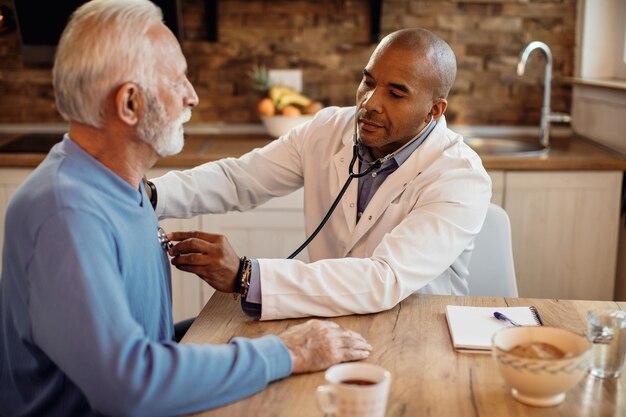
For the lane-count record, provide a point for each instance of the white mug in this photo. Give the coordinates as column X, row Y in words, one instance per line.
column 354, row 390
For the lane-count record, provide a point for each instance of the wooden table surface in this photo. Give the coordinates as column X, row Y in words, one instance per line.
column 428, row 377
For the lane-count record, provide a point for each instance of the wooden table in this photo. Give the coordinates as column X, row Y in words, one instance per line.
column 428, row 377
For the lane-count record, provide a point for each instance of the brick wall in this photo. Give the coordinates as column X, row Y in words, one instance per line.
column 328, row 40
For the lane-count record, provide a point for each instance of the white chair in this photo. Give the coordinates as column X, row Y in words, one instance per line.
column 491, row 268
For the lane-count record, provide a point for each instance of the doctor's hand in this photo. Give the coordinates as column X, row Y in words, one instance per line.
column 317, row 344
column 207, row 255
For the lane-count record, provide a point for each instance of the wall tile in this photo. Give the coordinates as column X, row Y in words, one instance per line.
column 329, row 41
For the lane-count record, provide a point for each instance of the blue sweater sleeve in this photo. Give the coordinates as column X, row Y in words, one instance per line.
column 81, row 319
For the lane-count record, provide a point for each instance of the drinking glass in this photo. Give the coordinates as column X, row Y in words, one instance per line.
column 607, row 333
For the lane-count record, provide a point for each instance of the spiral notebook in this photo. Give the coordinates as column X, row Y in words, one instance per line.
column 471, row 328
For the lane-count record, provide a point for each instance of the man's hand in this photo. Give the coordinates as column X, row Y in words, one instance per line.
column 316, row 345
column 209, row 256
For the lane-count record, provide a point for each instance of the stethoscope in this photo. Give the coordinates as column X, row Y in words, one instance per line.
column 165, row 243
column 352, row 175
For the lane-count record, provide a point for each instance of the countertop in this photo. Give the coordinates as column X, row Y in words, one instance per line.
column 565, row 154
column 568, row 152
column 199, row 148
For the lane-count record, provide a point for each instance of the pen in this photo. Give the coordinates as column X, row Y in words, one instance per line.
column 502, row 317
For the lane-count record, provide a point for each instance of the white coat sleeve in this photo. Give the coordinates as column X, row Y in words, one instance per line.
column 234, row 183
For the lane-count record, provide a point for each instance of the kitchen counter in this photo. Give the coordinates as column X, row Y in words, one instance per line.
column 199, row 148
column 566, row 153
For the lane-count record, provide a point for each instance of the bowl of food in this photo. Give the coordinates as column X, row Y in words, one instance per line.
column 277, row 126
column 540, row 363
column 284, row 108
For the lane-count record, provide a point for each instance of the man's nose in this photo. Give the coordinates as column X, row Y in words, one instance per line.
column 191, row 98
column 371, row 101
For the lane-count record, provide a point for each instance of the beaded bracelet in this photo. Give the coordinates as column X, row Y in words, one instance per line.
column 242, row 280
column 245, row 279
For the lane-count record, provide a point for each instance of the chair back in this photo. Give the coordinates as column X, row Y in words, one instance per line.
column 491, row 267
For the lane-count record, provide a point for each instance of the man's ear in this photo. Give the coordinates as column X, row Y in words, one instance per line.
column 438, row 109
column 129, row 103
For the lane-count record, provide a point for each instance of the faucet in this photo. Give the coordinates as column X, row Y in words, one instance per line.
column 546, row 114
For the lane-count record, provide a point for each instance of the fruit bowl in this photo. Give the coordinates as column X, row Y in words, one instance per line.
column 277, row 126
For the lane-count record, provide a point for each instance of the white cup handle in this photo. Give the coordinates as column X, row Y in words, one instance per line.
column 326, row 399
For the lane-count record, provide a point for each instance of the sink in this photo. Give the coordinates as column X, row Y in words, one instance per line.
column 505, row 146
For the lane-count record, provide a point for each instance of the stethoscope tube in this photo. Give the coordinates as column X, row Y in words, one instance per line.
column 352, row 175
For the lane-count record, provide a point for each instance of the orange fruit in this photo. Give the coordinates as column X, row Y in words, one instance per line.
column 266, row 107
column 313, row 108
column 291, row 111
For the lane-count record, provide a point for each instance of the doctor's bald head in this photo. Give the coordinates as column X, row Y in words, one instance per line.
column 425, row 45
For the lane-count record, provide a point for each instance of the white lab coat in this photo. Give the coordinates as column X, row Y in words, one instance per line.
column 416, row 233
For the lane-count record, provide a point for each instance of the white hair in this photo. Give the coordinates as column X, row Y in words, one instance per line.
column 104, row 45
column 166, row 137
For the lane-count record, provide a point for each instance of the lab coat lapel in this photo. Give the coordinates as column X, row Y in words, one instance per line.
column 348, row 203
column 396, row 183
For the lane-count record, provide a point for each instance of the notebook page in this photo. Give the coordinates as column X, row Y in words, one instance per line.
column 471, row 328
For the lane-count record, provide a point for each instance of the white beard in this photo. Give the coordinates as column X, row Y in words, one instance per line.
column 165, row 138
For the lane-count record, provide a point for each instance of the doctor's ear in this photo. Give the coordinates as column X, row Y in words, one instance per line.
column 436, row 111
column 128, row 103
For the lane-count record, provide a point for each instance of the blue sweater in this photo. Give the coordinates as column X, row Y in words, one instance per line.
column 85, row 306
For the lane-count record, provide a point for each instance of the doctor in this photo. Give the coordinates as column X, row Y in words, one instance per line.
column 406, row 227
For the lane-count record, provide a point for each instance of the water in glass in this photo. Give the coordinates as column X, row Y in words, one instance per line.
column 607, row 333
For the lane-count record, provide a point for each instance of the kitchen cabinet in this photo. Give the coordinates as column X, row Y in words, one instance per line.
column 564, row 227
column 272, row 230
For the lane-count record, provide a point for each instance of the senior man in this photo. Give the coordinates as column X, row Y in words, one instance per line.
column 85, row 294
column 407, row 225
